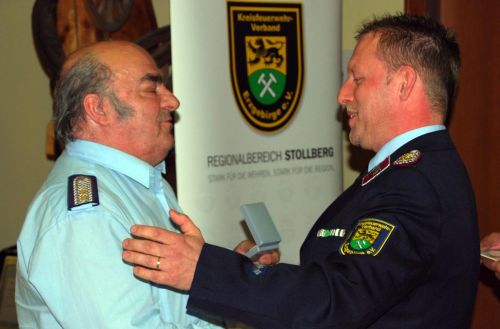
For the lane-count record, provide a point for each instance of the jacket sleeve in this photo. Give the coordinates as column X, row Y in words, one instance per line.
column 335, row 290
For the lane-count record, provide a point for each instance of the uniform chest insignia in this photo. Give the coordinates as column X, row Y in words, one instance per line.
column 368, row 237
column 325, row 233
column 82, row 190
column 408, row 159
column 376, row 171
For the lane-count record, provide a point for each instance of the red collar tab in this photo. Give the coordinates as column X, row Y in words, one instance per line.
column 376, row 171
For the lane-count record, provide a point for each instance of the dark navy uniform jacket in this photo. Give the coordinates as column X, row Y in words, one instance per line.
column 409, row 258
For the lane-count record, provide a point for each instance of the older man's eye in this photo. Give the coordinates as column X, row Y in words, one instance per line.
column 357, row 81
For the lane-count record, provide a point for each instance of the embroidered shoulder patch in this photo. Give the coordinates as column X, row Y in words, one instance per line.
column 408, row 159
column 368, row 237
column 82, row 190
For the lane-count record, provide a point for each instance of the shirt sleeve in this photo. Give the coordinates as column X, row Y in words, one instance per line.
column 78, row 271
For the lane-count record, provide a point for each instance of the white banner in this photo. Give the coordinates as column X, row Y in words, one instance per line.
column 257, row 83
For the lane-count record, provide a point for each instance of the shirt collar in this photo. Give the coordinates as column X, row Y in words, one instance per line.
column 119, row 161
column 399, row 141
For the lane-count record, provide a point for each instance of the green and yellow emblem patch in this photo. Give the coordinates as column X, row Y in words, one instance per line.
column 368, row 237
column 266, row 61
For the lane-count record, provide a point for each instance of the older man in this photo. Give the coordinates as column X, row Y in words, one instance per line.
column 114, row 116
column 410, row 258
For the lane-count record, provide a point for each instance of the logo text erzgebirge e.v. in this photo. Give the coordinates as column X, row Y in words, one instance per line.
column 265, row 42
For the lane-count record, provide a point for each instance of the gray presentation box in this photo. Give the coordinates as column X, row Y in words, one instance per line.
column 261, row 227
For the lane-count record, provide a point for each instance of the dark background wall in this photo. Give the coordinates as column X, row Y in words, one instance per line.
column 475, row 122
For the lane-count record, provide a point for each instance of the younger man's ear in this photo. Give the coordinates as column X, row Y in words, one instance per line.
column 407, row 77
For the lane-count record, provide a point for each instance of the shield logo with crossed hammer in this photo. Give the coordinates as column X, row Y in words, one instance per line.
column 266, row 62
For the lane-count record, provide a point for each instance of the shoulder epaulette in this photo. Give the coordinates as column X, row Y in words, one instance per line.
column 82, row 190
column 408, row 159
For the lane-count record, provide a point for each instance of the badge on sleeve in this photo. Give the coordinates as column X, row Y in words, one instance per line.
column 334, row 232
column 368, row 237
column 82, row 191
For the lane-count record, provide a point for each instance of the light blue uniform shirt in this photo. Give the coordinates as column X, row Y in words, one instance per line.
column 70, row 270
column 399, row 141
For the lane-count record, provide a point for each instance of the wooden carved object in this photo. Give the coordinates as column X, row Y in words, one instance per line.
column 60, row 27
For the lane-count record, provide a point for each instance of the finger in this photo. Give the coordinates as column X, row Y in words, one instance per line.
column 145, row 246
column 185, row 223
column 491, row 241
column 169, row 277
column 244, row 246
column 494, row 266
column 267, row 257
column 490, row 264
column 136, row 258
column 152, row 233
column 152, row 275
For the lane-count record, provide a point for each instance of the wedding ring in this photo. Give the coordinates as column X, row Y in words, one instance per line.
column 158, row 263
